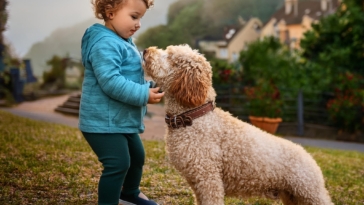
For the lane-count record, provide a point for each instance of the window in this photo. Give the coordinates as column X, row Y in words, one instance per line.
column 223, row 53
column 235, row 57
column 257, row 28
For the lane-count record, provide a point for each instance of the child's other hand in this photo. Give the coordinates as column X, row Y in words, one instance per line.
column 154, row 95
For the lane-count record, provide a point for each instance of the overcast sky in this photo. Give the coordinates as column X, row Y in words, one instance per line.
column 31, row 21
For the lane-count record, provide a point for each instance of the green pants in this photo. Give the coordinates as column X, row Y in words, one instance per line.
column 122, row 156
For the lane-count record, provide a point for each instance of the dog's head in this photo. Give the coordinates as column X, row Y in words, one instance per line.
column 181, row 72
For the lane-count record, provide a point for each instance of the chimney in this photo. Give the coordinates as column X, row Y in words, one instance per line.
column 324, row 5
column 295, row 7
column 331, row 6
column 288, row 5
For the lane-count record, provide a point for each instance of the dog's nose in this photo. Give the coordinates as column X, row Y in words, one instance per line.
column 143, row 56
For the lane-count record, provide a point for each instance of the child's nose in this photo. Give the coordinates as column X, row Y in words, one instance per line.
column 138, row 25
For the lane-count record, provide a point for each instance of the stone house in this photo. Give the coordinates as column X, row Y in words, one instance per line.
column 233, row 40
column 291, row 21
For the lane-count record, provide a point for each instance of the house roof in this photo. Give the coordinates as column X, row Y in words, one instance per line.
column 225, row 34
column 228, row 33
column 309, row 8
column 231, row 31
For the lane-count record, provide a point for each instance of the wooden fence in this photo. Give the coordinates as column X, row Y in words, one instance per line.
column 299, row 108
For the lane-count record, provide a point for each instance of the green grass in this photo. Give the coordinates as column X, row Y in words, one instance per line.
column 44, row 163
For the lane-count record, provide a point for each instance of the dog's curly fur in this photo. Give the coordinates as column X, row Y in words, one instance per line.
column 220, row 155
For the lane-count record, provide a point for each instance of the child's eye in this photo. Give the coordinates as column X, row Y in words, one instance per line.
column 134, row 17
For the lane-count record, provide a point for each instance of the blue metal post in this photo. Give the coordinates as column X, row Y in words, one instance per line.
column 29, row 72
column 18, row 85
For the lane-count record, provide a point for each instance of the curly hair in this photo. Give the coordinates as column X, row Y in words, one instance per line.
column 102, row 7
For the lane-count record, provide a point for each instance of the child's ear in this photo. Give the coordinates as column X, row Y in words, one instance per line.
column 109, row 13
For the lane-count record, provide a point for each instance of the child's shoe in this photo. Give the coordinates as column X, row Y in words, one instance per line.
column 132, row 200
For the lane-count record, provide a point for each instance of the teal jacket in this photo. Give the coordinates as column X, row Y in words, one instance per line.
column 114, row 91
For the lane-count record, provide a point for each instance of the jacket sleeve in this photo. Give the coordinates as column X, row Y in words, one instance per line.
column 106, row 60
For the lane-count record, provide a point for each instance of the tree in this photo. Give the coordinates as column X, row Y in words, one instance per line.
column 181, row 31
column 268, row 66
column 3, row 21
column 335, row 46
column 157, row 36
column 57, row 75
column 5, row 78
column 271, row 70
column 336, row 42
column 269, row 60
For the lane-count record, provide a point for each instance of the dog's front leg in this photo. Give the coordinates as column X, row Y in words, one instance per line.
column 200, row 163
column 207, row 186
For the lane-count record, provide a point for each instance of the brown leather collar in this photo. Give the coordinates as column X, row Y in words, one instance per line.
column 186, row 118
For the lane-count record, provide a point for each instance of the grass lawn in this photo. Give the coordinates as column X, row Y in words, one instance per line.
column 43, row 163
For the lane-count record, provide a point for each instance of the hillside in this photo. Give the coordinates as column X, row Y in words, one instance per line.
column 192, row 20
column 67, row 41
column 60, row 42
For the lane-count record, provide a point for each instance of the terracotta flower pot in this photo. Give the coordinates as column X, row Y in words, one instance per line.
column 265, row 123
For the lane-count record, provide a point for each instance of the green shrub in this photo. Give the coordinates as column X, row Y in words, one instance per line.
column 224, row 73
column 346, row 109
column 56, row 76
column 264, row 100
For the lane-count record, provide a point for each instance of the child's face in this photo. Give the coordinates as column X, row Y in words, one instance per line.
column 126, row 21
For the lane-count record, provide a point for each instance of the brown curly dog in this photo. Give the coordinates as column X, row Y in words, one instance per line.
column 218, row 154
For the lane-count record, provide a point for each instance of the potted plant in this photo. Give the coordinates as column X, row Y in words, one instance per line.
column 264, row 106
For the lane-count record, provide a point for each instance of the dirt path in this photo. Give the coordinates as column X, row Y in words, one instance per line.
column 44, row 108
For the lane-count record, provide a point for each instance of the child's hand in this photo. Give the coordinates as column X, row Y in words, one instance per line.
column 154, row 95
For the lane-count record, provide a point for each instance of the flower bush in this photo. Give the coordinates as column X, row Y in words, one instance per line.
column 268, row 64
column 224, row 73
column 264, row 100
column 346, row 109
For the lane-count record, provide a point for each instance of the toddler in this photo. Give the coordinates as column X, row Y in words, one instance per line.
column 114, row 98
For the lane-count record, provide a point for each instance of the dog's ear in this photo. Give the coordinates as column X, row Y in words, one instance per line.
column 191, row 77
